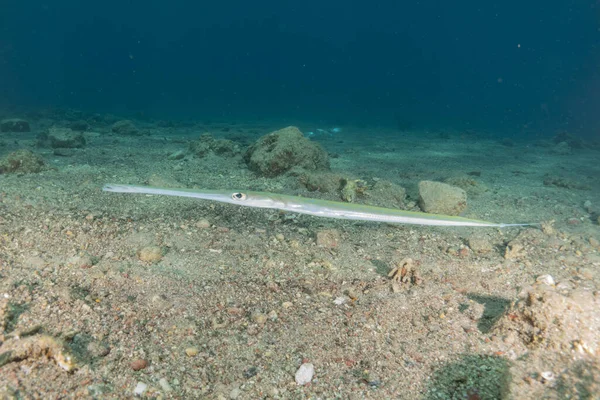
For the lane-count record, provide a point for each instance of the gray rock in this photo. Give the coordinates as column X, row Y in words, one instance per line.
column 23, row 162
column 14, row 125
column 480, row 244
column 65, row 138
column 61, row 152
column 305, row 374
column 79, row 125
column 441, row 198
column 207, row 144
column 562, row 148
column 280, row 151
column 126, row 127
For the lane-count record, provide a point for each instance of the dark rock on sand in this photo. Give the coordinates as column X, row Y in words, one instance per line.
column 126, row 128
column 280, row 151
column 22, row 161
column 65, row 138
column 14, row 125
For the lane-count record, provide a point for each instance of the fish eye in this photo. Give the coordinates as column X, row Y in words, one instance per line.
column 239, row 196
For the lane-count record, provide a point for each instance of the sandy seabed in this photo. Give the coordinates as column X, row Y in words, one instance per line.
column 103, row 294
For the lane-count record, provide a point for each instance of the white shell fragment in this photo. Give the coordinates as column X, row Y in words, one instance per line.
column 547, row 376
column 305, row 374
column 339, row 300
column 546, row 280
column 140, row 388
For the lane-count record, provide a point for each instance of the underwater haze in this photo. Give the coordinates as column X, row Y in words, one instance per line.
column 501, row 66
column 300, row 199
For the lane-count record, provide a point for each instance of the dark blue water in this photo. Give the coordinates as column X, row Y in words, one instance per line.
column 507, row 66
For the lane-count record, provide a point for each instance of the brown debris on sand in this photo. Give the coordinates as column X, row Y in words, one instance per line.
column 37, row 347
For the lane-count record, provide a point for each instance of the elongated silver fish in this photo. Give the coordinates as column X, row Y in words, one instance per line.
column 315, row 207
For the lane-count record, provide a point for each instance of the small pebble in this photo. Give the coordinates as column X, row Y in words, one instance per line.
column 140, row 388
column 328, row 238
column 546, row 280
column 203, row 224
column 587, row 273
column 250, row 372
column 352, row 293
column 139, row 364
column 191, row 351
column 339, row 300
column 547, row 376
column 480, row 244
column 164, row 384
column 235, row 393
column 259, row 318
column 97, row 349
column 178, row 155
column 150, row 254
column 305, row 374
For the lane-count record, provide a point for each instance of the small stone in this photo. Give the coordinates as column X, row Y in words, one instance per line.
column 547, row 376
column 84, row 261
column 79, row 125
column 259, row 318
column 140, row 388
column 65, row 138
column 250, row 372
column 235, row 393
column 305, row 374
column 441, row 198
column 97, row 349
column 151, row 254
column 329, row 238
column 14, row 125
column 164, row 384
column 587, row 273
column 514, row 250
column 352, row 293
column 97, row 390
column 480, row 244
column 203, row 224
column 138, row 364
column 191, row 351
column 287, row 304
column 278, row 152
column 60, row 152
column 546, row 280
column 178, row 155
column 339, row 300
column 22, row 161
column 125, row 127
column 273, row 287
